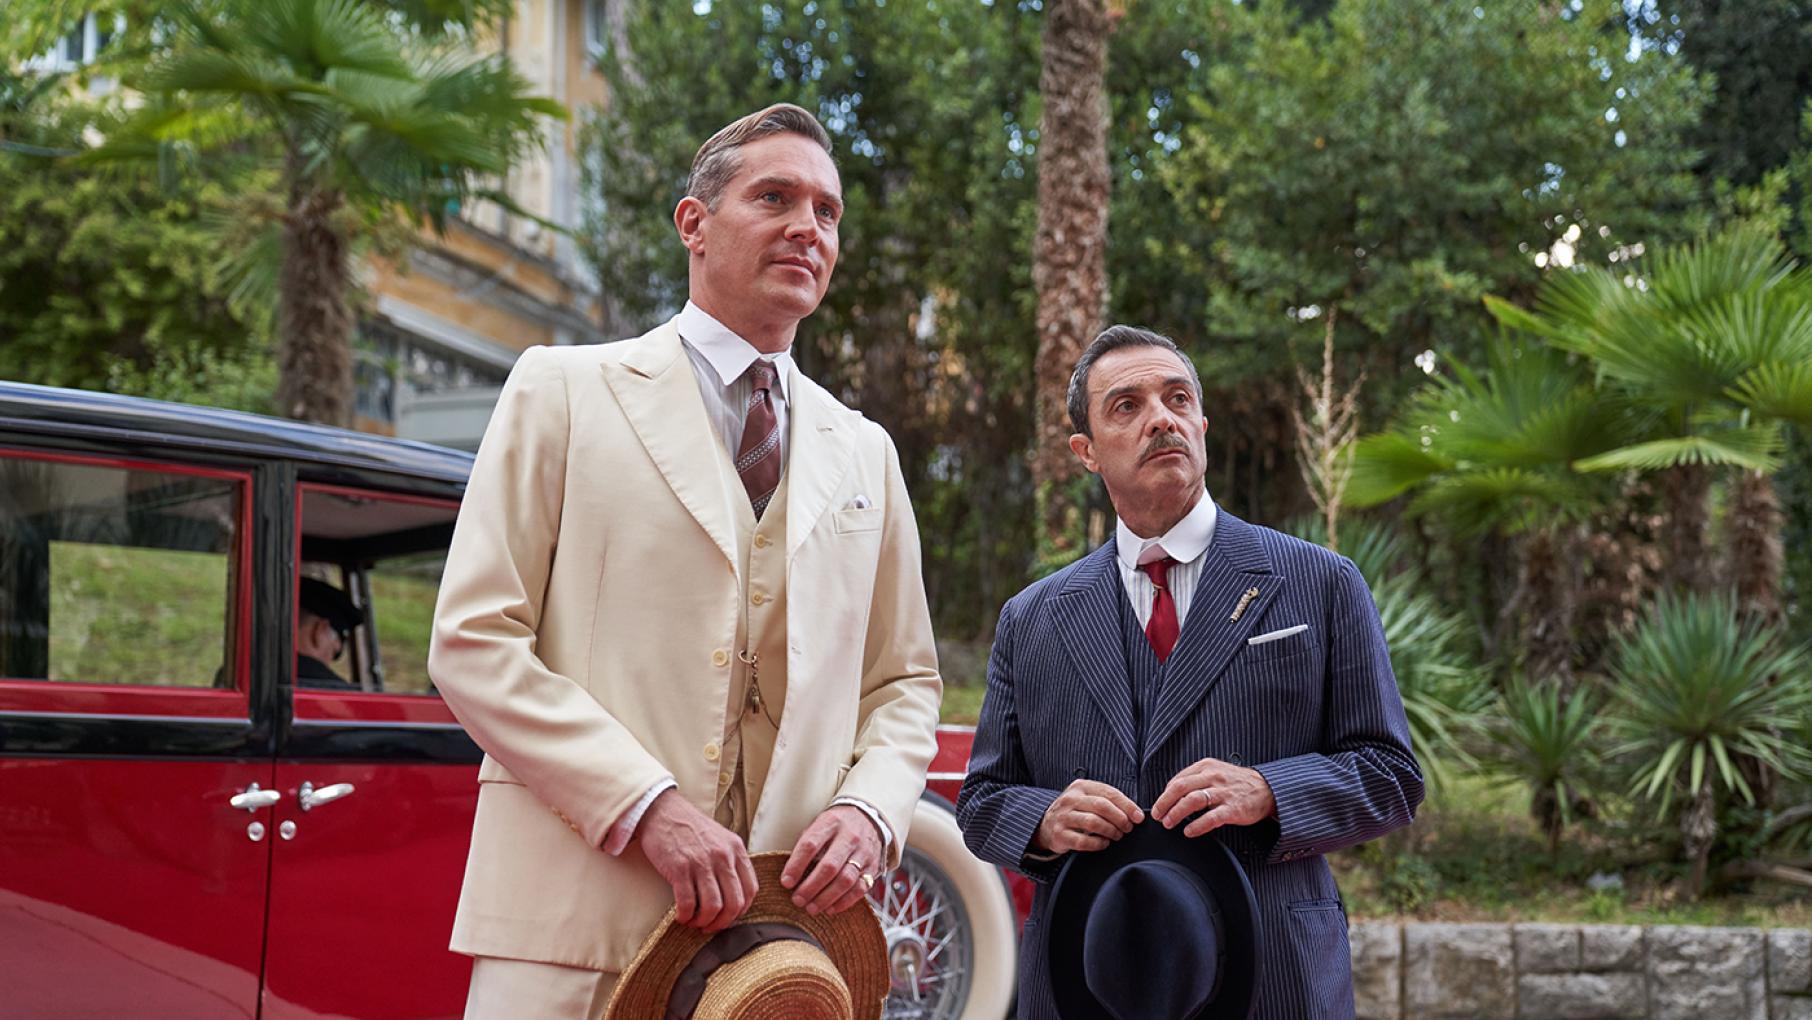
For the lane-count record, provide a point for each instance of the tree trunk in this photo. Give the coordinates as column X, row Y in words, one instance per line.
column 1757, row 559
column 1686, row 490
column 314, row 315
column 1070, row 251
column 1698, row 830
column 1549, row 604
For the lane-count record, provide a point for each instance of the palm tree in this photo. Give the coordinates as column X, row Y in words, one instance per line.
column 369, row 126
column 1717, row 342
column 1070, row 249
column 1492, row 452
column 1695, row 700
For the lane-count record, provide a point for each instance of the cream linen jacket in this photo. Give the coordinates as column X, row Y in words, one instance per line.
column 585, row 636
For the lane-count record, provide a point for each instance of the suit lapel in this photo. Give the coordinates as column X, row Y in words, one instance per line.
column 658, row 392
column 821, row 444
column 1236, row 564
column 1088, row 616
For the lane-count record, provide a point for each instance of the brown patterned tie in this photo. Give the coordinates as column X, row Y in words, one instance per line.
column 758, row 458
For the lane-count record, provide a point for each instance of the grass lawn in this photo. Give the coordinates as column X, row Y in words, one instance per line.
column 136, row 616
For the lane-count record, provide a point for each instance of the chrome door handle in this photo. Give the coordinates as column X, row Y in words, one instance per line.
column 253, row 799
column 314, row 798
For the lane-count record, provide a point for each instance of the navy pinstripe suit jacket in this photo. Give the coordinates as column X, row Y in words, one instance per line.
column 1318, row 714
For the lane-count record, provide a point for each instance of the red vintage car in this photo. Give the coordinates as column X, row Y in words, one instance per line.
column 186, row 831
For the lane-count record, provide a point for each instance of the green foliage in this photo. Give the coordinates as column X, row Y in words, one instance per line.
column 1715, row 338
column 108, row 281
column 1443, row 686
column 1495, row 448
column 1697, row 689
column 1549, row 742
column 396, row 125
column 1401, row 162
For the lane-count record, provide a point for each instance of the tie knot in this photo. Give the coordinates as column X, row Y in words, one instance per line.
column 1158, row 570
column 761, row 374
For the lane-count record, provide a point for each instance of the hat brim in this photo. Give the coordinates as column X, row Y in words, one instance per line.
column 1081, row 879
column 852, row 940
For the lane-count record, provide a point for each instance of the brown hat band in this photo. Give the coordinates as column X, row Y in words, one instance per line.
column 726, row 946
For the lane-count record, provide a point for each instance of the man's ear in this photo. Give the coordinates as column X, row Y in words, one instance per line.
column 1084, row 449
column 689, row 219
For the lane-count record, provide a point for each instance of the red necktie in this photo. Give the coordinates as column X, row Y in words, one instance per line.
column 758, row 458
column 1162, row 630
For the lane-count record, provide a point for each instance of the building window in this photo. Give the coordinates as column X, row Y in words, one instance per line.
column 597, row 27
column 81, row 46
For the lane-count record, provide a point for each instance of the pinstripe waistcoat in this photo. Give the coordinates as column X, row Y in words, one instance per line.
column 1317, row 713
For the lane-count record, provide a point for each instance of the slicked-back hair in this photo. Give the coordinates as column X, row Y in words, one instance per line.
column 720, row 158
column 1112, row 339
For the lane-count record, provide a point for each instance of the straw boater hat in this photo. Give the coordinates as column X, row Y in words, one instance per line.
column 775, row 963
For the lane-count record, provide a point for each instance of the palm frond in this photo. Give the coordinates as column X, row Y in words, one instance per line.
column 1755, row 448
column 1698, row 685
column 1780, row 390
column 1389, row 464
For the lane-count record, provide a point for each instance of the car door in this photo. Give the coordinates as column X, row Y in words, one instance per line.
column 136, row 780
column 378, row 781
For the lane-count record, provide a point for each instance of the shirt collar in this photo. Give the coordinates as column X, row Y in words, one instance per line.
column 1185, row 541
column 728, row 355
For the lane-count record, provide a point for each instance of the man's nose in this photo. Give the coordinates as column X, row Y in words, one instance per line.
column 1161, row 420
column 802, row 226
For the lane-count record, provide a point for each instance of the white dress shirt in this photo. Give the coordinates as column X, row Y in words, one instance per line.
column 719, row 358
column 1185, row 542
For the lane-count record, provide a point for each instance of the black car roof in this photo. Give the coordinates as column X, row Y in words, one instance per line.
column 48, row 410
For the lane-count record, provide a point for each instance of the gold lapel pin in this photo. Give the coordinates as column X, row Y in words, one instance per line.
column 1244, row 601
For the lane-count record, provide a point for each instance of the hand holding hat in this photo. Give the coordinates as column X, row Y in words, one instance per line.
column 777, row 963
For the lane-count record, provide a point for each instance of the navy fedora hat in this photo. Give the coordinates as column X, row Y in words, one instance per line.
column 1157, row 926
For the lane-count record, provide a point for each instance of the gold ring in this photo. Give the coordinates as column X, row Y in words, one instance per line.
column 851, row 863
column 868, row 881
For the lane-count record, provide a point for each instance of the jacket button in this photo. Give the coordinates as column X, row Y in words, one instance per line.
column 1237, row 758
column 711, row 751
column 758, row 598
column 720, row 658
column 723, row 778
column 761, row 541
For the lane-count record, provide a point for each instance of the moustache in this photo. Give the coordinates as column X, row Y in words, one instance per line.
column 1162, row 443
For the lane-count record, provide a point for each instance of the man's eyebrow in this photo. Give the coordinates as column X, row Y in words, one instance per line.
column 1175, row 380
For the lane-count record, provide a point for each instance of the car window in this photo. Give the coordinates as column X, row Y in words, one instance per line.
column 116, row 574
column 385, row 555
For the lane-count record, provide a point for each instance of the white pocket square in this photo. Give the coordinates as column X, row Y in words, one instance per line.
column 859, row 503
column 1277, row 635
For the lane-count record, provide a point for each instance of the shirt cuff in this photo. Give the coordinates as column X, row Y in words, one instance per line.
column 1030, row 856
column 875, row 817
column 624, row 829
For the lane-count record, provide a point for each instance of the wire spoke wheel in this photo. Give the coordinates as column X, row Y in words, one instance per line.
column 930, row 944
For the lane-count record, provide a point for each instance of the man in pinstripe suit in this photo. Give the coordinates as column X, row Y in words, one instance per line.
column 1208, row 672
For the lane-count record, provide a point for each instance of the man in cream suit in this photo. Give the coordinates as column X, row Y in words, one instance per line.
column 683, row 611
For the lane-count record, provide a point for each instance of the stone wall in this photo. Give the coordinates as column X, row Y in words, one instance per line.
column 1579, row 972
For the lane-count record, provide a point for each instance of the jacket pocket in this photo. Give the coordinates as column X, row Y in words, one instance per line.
column 1320, row 955
column 854, row 520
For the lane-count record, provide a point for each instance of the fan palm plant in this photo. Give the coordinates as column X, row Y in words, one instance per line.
column 1694, row 700
column 1716, row 341
column 367, row 123
column 1494, row 451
